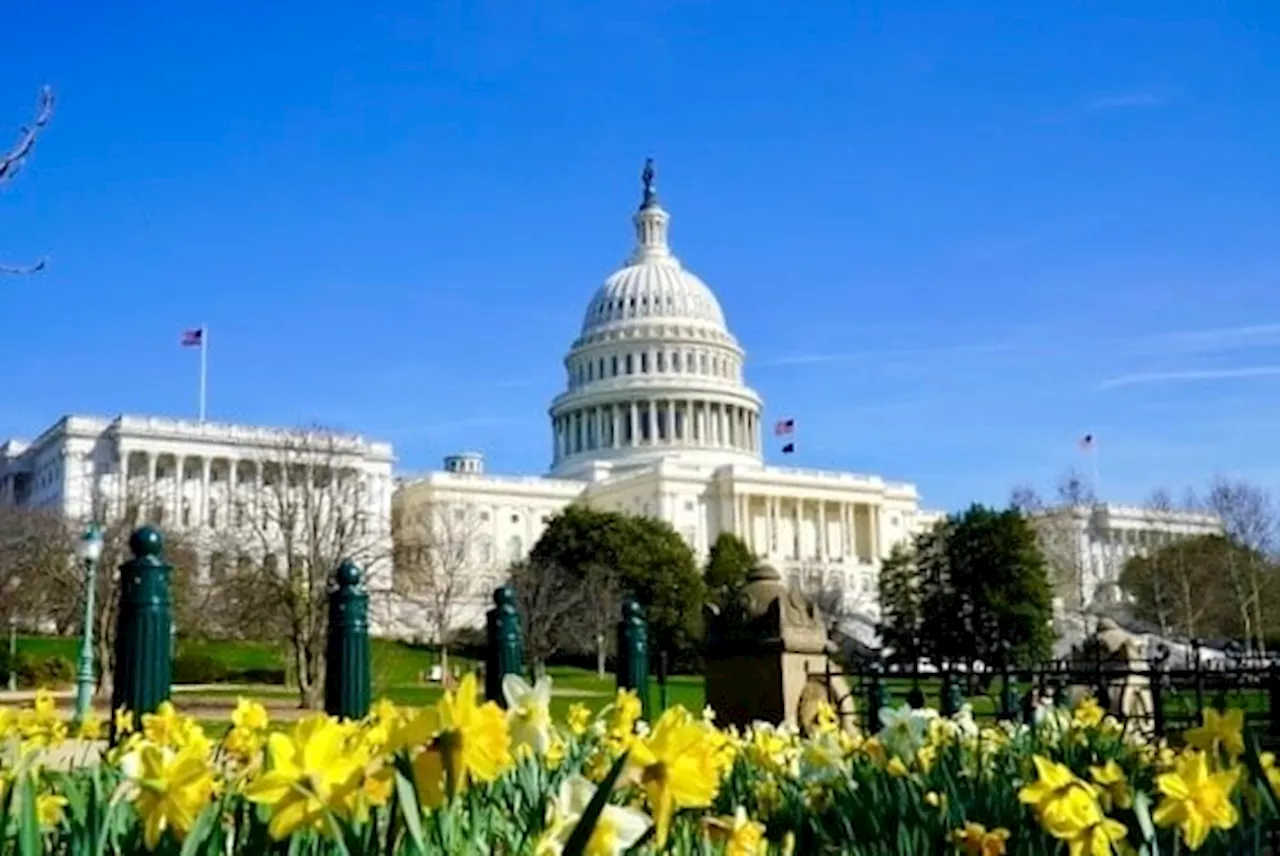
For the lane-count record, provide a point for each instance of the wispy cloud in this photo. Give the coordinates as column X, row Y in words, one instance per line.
column 1209, row 340
column 1126, row 100
column 1189, row 376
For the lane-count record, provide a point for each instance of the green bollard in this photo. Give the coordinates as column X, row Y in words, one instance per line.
column 143, row 625
column 346, row 677
column 633, row 654
column 504, row 654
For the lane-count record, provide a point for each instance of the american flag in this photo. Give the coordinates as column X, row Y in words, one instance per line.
column 789, row 448
column 193, row 338
column 784, row 426
column 1086, row 443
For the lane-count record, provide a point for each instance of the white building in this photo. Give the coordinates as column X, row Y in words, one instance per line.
column 656, row 418
column 1092, row 543
column 207, row 480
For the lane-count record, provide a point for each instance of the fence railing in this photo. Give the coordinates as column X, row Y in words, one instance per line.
column 1149, row 695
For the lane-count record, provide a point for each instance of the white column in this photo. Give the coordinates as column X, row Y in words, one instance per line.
column 798, row 540
column 634, row 421
column 877, row 535
column 178, row 472
column 771, row 534
column 615, row 412
column 821, row 544
column 204, row 490
column 233, row 491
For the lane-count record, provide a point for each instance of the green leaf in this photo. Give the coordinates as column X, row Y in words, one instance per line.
column 577, row 843
column 1142, row 810
column 195, row 841
column 407, row 798
column 28, row 820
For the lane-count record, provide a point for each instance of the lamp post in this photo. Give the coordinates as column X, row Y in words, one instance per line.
column 89, row 550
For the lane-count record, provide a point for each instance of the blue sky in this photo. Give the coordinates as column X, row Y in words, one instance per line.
column 952, row 242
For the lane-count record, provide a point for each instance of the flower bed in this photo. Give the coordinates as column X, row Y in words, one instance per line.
column 467, row 777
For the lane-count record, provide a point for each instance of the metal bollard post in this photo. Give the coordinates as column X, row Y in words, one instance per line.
column 143, row 665
column 633, row 654
column 347, row 672
column 505, row 652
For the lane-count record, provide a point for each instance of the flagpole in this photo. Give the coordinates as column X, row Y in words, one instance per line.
column 204, row 368
column 1097, row 482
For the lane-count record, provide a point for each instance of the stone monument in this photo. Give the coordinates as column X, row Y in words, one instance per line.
column 1120, row 659
column 768, row 656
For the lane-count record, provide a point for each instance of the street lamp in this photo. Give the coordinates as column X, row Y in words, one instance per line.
column 88, row 550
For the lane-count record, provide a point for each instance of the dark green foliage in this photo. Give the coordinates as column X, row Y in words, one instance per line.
column 727, row 566
column 900, row 607
column 652, row 561
column 37, row 671
column 975, row 588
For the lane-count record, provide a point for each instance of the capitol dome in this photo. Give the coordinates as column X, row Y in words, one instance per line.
column 655, row 372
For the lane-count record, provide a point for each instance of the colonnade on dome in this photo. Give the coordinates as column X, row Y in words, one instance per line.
column 690, row 423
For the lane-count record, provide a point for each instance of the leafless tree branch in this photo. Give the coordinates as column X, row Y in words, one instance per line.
column 12, row 160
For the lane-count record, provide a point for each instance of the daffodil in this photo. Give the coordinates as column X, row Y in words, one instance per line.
column 49, row 808
column 739, row 835
column 1088, row 713
column 464, row 741
column 528, row 711
column 616, row 831
column 308, row 776
column 1064, row 804
column 1113, row 788
column 172, row 789
column 250, row 715
column 902, row 730
column 678, row 769
column 578, row 719
column 90, row 727
column 1219, row 730
column 975, row 840
column 1196, row 800
column 122, row 721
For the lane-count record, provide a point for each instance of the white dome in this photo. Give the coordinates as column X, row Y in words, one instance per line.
column 655, row 373
column 651, row 290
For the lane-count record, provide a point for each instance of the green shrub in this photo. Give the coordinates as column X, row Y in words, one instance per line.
column 33, row 671
column 199, row 668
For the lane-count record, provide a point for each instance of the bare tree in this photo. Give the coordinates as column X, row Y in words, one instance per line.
column 309, row 513
column 1249, row 517
column 441, row 549
column 548, row 597
column 35, row 546
column 597, row 620
column 11, row 161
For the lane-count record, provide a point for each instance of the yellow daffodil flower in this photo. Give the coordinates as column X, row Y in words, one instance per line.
column 1088, row 713
column 1196, row 800
column 678, row 769
column 579, row 718
column 308, row 776
column 975, row 840
column 464, row 740
column 739, row 835
column 49, row 810
column 250, row 715
column 1220, row 730
column 172, row 789
column 1114, row 789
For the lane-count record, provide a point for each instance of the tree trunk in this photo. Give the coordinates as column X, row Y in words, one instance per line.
column 600, row 658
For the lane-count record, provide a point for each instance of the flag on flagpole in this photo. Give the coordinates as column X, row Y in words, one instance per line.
column 197, row 337
column 784, row 426
column 1086, row 443
column 789, row 448
column 193, row 338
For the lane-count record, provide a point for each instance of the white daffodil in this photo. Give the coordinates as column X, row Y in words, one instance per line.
column 528, row 711
column 902, row 731
column 616, row 831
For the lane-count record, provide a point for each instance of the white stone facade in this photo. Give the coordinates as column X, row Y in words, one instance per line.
column 201, row 478
column 656, row 419
column 1093, row 542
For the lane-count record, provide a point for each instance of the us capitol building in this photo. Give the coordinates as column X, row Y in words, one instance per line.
column 656, row 418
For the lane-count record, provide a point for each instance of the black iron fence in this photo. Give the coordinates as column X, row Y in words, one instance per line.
column 1161, row 696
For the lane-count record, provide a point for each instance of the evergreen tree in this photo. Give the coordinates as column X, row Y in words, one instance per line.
column 984, row 589
column 728, row 565
column 899, row 594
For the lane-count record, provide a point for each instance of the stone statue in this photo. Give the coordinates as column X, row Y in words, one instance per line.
column 1120, row 657
column 768, row 657
column 650, row 192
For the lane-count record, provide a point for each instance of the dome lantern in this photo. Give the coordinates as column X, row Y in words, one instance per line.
column 651, row 222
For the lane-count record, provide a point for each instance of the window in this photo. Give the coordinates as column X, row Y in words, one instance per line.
column 213, row 514
column 459, row 514
column 615, row 365
column 484, row 516
column 628, row 364
column 644, row 362
column 515, row 518
column 486, row 552
column 688, row 505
